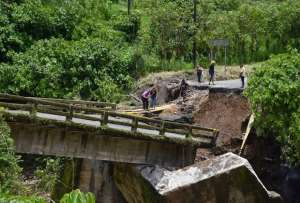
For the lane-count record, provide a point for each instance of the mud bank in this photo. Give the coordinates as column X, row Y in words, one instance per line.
column 226, row 112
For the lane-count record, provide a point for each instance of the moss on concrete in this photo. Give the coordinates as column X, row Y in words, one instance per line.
column 68, row 175
column 133, row 186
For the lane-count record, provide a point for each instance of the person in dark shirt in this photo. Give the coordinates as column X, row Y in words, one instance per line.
column 212, row 72
column 183, row 89
column 242, row 75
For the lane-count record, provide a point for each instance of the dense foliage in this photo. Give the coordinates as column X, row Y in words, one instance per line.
column 274, row 93
column 58, row 68
column 20, row 199
column 66, row 49
column 75, row 196
column 47, row 175
column 9, row 168
column 255, row 29
column 93, row 49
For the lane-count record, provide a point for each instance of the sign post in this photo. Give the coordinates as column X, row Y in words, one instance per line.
column 219, row 43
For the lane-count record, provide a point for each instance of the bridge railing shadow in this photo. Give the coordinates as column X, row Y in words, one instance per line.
column 205, row 137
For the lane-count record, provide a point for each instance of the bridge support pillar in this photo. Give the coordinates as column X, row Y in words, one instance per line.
column 97, row 177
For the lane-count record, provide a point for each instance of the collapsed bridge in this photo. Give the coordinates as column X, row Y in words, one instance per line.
column 96, row 131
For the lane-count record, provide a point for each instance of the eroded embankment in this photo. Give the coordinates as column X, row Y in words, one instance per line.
column 226, row 112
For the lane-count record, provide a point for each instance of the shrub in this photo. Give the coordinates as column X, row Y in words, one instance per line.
column 78, row 197
column 48, row 175
column 274, row 93
column 128, row 24
column 9, row 170
column 20, row 199
column 57, row 68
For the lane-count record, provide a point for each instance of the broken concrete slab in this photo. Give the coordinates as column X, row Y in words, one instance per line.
column 227, row 178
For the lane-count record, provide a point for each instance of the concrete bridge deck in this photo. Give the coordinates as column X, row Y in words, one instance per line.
column 46, row 127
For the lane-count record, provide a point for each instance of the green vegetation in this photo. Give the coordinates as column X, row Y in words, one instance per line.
column 10, row 171
column 274, row 90
column 75, row 196
column 78, row 197
column 20, row 199
column 94, row 50
column 66, row 49
column 47, row 175
column 11, row 180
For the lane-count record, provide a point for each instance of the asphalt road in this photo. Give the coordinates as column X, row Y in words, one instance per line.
column 226, row 84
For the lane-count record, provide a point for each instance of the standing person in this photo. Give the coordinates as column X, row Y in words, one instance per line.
column 183, row 89
column 212, row 72
column 153, row 97
column 242, row 74
column 199, row 73
column 145, row 98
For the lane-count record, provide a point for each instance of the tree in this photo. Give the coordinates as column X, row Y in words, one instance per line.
column 274, row 94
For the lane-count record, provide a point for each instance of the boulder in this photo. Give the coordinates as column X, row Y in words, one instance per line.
column 224, row 179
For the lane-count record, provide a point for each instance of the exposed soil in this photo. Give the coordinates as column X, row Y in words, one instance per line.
column 226, row 112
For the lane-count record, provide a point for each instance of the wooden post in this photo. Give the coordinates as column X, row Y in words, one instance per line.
column 105, row 118
column 190, row 132
column 71, row 112
column 162, row 129
column 134, row 125
column 33, row 109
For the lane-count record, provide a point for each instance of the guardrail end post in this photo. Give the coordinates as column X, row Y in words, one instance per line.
column 33, row 110
column 105, row 118
column 134, row 124
column 190, row 132
column 71, row 112
column 162, row 129
column 216, row 134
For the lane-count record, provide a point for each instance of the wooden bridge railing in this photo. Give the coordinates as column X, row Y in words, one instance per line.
column 90, row 104
column 111, row 119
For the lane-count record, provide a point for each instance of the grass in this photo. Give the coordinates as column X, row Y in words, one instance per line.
column 232, row 71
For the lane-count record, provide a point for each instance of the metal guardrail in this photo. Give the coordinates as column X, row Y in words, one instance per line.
column 70, row 111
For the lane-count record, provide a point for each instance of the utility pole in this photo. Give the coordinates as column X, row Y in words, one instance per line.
column 195, row 32
column 129, row 2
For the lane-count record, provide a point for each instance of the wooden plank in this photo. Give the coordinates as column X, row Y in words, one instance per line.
column 148, row 127
column 120, row 123
column 249, row 126
column 16, row 106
